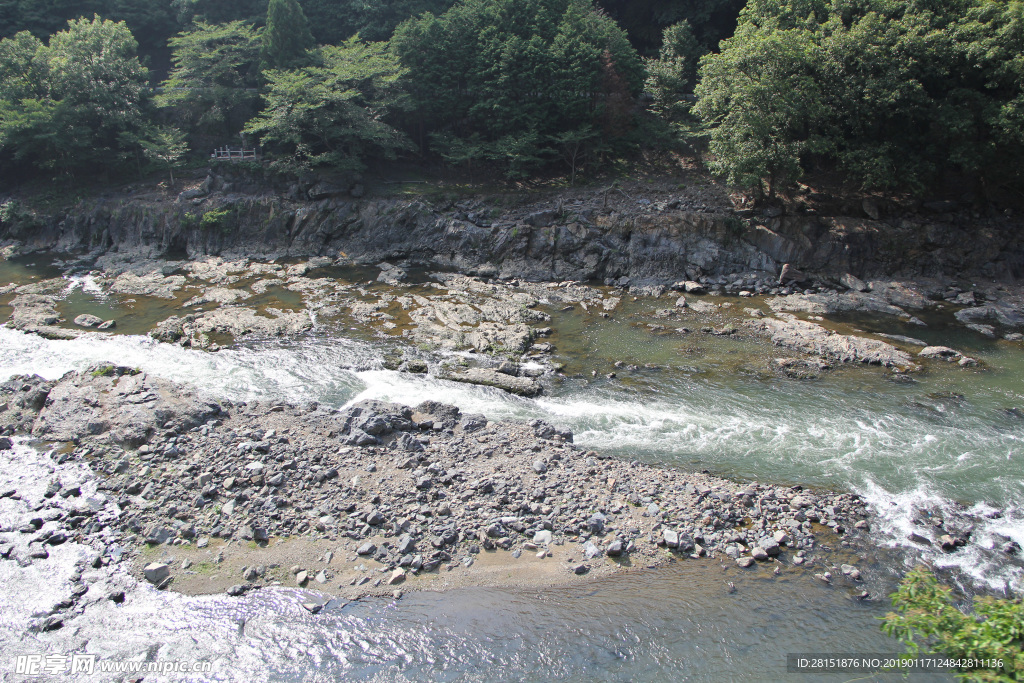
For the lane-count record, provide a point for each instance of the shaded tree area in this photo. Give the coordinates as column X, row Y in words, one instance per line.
column 646, row 20
column 504, row 80
column 898, row 95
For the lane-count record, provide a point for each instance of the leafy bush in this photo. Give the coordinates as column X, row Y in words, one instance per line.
column 926, row 621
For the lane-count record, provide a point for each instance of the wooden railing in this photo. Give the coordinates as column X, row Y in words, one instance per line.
column 233, row 154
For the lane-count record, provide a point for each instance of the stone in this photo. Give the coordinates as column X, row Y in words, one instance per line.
column 940, row 352
column 302, row 578
column 759, row 553
column 854, row 283
column 543, row 537
column 614, row 549
column 670, row 537
column 405, row 545
column 539, row 466
column 237, row 590
column 746, row 561
column 366, row 549
column 156, row 572
column 397, row 576
column 590, row 551
column 88, row 320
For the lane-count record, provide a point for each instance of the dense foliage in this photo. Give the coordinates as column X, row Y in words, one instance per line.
column 212, row 90
column 894, row 93
column 504, row 79
column 927, row 622
column 333, row 114
column 74, row 103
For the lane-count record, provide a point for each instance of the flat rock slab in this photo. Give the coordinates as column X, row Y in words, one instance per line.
column 523, row 386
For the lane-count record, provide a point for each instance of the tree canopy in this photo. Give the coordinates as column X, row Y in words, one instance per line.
column 333, row 114
column 75, row 102
column 894, row 93
column 212, row 90
column 501, row 79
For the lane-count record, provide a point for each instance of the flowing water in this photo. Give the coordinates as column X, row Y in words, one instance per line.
column 950, row 440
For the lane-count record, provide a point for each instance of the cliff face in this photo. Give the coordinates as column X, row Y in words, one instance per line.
column 649, row 241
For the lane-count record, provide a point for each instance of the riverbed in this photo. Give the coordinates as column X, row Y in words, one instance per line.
column 947, row 443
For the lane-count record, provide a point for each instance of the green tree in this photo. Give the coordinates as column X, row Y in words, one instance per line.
column 897, row 94
column 927, row 622
column 506, row 78
column 286, row 39
column 219, row 11
column 761, row 98
column 211, row 91
column 82, row 94
column 333, row 21
column 166, row 146
column 672, row 76
column 334, row 114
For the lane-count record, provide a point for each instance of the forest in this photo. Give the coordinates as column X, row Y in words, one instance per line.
column 890, row 95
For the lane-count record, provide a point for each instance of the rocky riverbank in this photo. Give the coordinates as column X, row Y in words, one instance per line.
column 505, row 326
column 641, row 232
column 377, row 497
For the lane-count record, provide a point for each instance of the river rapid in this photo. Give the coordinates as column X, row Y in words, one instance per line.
column 948, row 444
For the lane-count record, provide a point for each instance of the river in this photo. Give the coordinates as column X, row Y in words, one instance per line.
column 949, row 442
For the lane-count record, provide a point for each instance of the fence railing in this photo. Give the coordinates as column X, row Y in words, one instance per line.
column 233, row 154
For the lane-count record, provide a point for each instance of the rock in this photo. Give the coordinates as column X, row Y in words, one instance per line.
column 302, row 578
column 107, row 325
column 523, row 386
column 854, row 283
column 237, row 590
column 543, row 537
column 614, row 549
column 313, row 607
column 580, row 569
column 790, row 274
column 984, row 330
column 947, row 543
column 940, row 352
column 156, row 572
column 814, row 339
column 88, row 320
column 397, row 576
column 5, row 445
column 746, row 561
column 366, row 549
column 405, row 545
column 539, row 466
column 159, row 535
column 590, row 551
column 670, row 537
column 759, row 553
